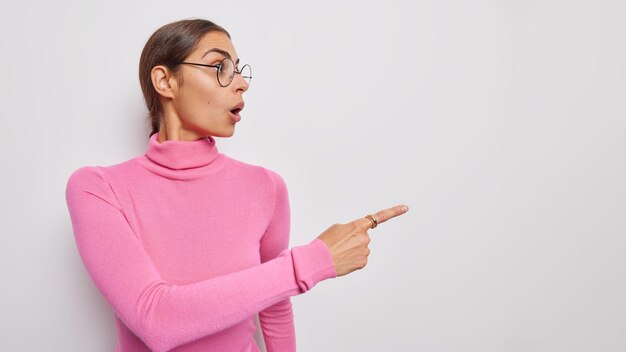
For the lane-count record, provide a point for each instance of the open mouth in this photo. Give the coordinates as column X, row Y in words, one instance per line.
column 237, row 108
column 234, row 112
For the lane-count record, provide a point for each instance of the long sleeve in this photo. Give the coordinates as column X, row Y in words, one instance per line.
column 277, row 321
column 165, row 316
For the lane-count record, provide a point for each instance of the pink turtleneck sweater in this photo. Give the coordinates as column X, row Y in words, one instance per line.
column 187, row 245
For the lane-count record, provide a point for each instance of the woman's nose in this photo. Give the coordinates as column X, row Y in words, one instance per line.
column 240, row 83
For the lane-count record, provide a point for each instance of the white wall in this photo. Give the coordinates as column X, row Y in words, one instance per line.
column 501, row 123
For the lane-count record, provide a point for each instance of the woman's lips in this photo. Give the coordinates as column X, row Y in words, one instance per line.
column 234, row 112
column 234, row 115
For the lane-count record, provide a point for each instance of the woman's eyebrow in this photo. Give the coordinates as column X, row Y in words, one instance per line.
column 219, row 51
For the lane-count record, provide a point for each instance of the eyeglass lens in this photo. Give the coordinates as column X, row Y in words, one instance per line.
column 226, row 72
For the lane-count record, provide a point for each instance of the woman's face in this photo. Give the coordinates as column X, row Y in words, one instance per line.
column 202, row 105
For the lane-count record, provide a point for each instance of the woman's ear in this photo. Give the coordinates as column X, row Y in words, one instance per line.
column 163, row 81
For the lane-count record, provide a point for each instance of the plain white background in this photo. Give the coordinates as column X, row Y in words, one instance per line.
column 501, row 123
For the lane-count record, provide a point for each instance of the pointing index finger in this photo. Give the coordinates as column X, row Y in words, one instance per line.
column 390, row 213
column 385, row 215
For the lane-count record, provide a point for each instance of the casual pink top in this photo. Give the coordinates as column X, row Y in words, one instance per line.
column 187, row 245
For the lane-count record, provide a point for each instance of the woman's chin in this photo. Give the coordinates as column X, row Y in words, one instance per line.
column 224, row 133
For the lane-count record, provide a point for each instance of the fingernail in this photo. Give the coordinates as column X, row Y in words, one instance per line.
column 405, row 209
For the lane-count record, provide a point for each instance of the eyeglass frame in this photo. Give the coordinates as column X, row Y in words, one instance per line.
column 232, row 78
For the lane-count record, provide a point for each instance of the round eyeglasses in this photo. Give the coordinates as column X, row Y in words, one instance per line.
column 226, row 71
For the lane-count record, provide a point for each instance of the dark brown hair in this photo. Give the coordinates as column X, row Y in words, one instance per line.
column 167, row 46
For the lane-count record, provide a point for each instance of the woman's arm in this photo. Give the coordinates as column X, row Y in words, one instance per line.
column 162, row 315
column 277, row 320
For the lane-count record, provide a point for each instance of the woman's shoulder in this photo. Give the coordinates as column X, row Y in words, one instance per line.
column 256, row 172
column 87, row 180
column 96, row 175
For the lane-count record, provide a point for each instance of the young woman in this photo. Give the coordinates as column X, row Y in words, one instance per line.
column 185, row 243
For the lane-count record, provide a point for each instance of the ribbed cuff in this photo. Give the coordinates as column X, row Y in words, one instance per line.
column 312, row 263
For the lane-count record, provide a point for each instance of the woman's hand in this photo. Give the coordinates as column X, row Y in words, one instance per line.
column 348, row 242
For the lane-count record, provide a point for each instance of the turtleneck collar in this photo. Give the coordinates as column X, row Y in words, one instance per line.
column 183, row 158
